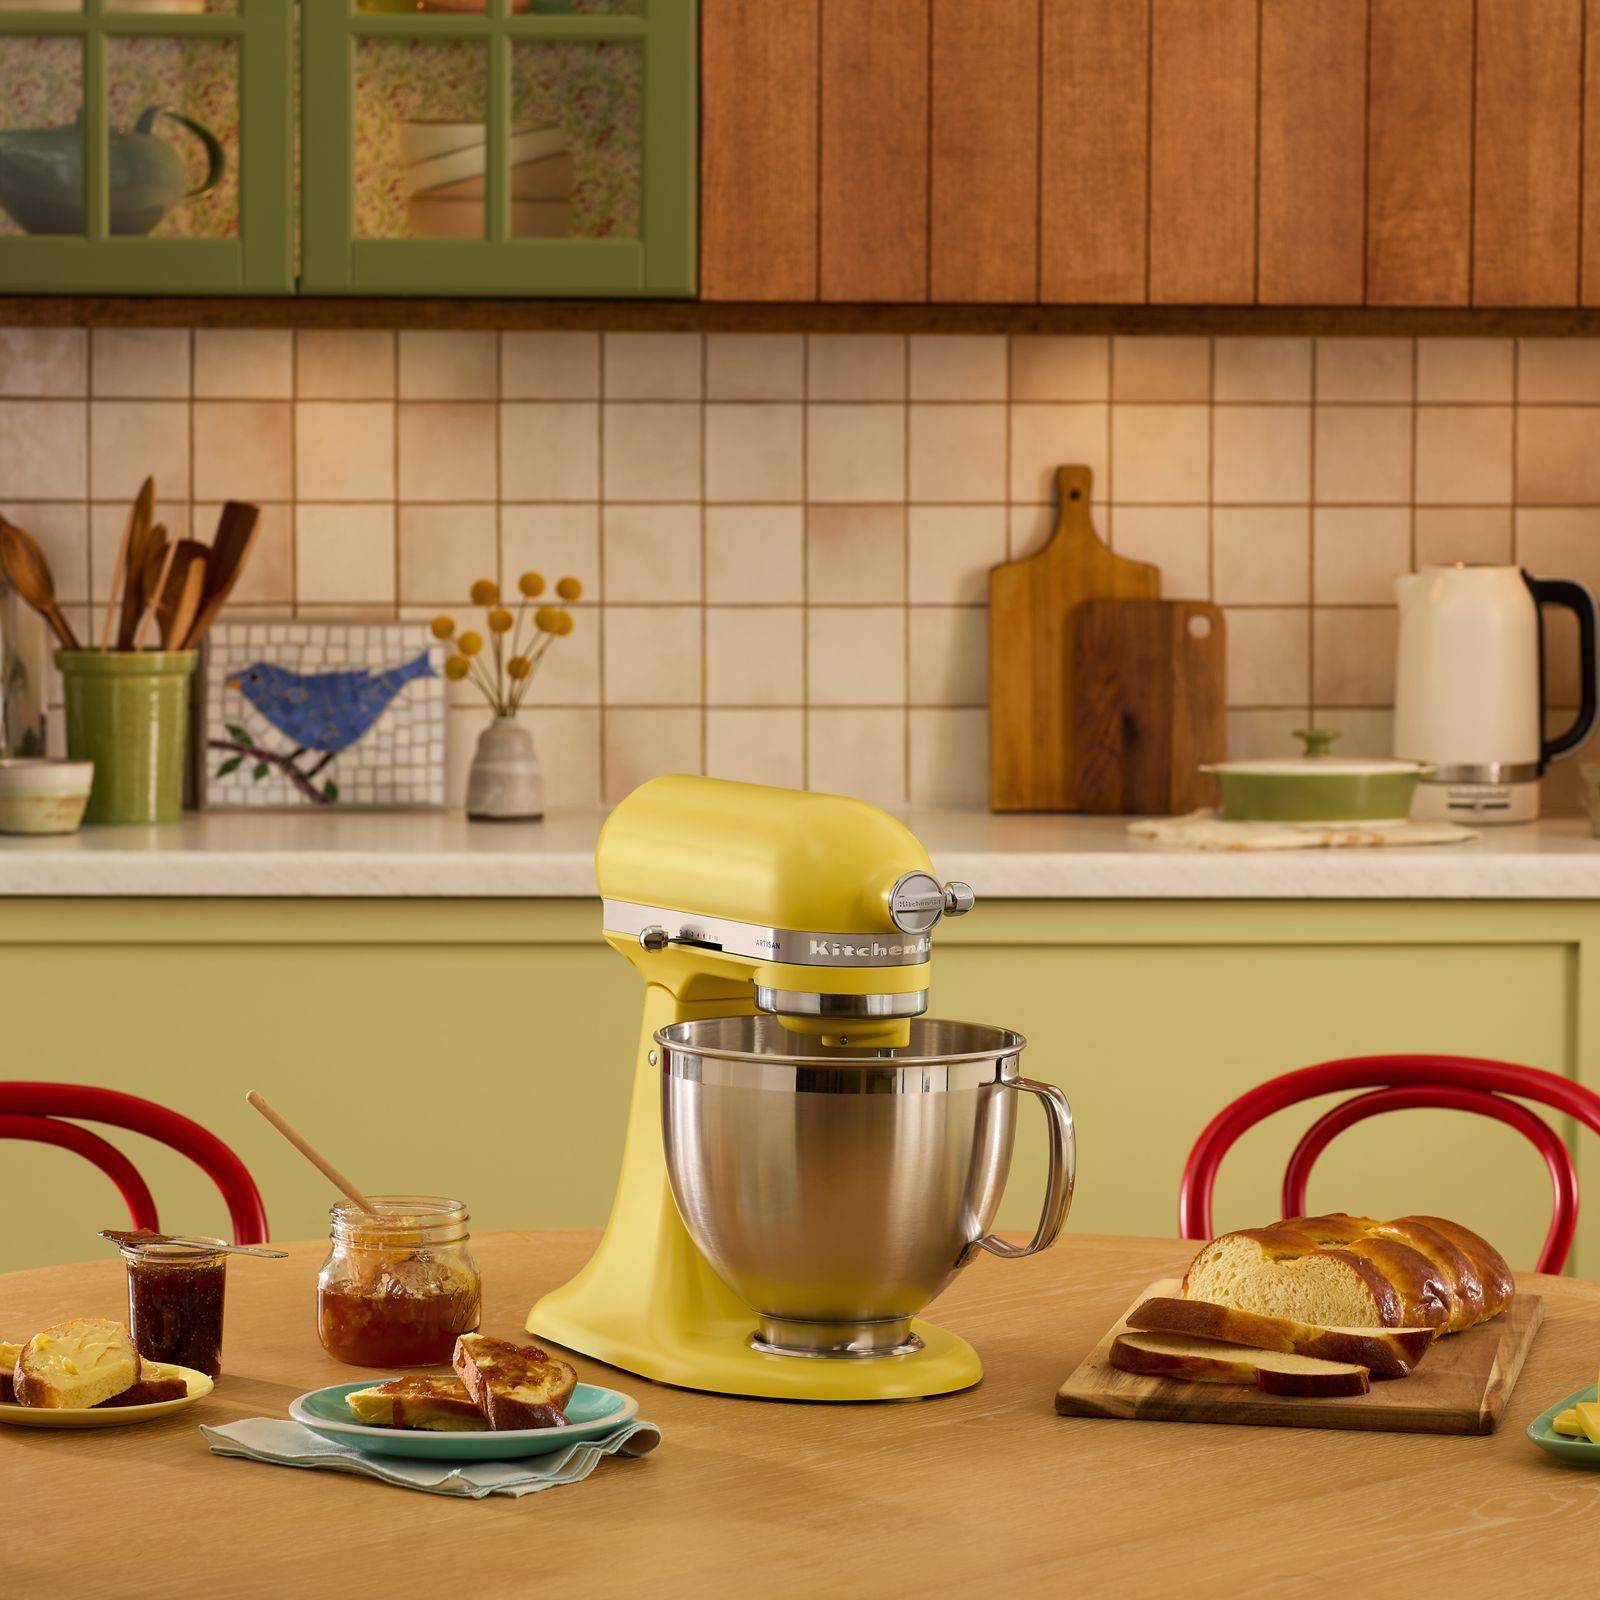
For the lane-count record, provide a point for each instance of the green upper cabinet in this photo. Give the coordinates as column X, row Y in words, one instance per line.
column 145, row 146
column 532, row 147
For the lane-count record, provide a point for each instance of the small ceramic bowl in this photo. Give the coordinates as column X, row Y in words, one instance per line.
column 43, row 796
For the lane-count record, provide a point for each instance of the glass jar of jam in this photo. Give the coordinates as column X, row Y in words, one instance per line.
column 398, row 1286
column 175, row 1302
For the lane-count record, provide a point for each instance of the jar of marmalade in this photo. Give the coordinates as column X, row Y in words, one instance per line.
column 175, row 1294
column 398, row 1285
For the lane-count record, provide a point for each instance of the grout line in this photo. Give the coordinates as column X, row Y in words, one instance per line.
column 1311, row 544
column 805, row 564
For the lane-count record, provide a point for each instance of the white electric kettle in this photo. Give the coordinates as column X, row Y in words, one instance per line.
column 1469, row 692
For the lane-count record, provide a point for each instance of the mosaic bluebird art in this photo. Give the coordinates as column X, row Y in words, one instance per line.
column 322, row 714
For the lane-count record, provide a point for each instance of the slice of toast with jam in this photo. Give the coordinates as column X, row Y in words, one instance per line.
column 514, row 1385
column 432, row 1404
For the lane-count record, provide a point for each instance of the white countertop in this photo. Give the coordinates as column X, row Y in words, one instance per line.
column 433, row 855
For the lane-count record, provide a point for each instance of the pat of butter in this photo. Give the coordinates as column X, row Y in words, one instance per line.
column 1567, row 1422
column 1589, row 1418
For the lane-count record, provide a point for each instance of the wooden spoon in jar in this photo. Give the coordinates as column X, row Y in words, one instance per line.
column 28, row 572
column 230, row 549
column 137, row 548
column 311, row 1153
column 179, row 602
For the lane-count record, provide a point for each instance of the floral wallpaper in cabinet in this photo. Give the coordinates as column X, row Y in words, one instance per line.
column 592, row 92
column 43, row 82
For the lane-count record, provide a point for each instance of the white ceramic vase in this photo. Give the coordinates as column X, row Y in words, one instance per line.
column 505, row 783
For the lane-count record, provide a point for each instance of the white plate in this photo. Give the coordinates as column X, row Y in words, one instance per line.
column 111, row 1416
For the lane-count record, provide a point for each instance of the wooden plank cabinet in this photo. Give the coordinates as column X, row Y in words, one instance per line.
column 1163, row 152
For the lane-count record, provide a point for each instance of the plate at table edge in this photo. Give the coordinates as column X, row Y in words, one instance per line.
column 1580, row 1452
column 324, row 1411
column 112, row 1416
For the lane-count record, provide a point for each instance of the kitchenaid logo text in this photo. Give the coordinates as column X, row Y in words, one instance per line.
column 838, row 950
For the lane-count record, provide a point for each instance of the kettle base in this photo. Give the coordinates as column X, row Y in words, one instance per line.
column 1476, row 804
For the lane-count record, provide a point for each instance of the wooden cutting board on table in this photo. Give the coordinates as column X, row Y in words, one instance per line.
column 1149, row 704
column 1461, row 1385
column 1031, row 697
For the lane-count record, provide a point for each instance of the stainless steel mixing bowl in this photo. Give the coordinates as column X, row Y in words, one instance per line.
column 838, row 1192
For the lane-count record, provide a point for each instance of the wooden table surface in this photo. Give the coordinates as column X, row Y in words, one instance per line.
column 988, row 1492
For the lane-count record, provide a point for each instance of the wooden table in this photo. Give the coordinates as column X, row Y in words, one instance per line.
column 988, row 1492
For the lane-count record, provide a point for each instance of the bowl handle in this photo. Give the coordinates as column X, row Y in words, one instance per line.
column 1063, row 1170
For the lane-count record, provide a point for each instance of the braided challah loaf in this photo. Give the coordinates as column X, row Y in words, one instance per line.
column 1340, row 1271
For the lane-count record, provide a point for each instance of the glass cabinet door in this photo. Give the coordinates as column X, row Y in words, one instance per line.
column 145, row 146
column 499, row 146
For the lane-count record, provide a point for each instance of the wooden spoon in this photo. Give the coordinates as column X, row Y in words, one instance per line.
column 154, row 588
column 28, row 572
column 311, row 1153
column 230, row 549
column 179, row 600
column 130, row 564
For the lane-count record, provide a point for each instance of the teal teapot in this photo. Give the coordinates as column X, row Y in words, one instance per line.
column 41, row 174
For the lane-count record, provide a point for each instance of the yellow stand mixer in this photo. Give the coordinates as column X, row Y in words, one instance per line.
column 797, row 1131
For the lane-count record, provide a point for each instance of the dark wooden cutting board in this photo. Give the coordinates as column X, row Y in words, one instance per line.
column 1149, row 704
column 1030, row 655
column 1461, row 1386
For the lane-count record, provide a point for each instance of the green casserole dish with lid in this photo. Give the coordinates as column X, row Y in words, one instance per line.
column 1317, row 787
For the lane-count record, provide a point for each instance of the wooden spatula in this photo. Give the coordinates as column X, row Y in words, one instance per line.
column 131, row 566
column 180, row 602
column 230, row 549
column 28, row 572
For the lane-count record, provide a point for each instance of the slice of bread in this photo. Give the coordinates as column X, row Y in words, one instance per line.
column 1171, row 1355
column 514, row 1386
column 155, row 1385
column 434, row 1404
column 9, row 1352
column 1384, row 1352
column 76, row 1364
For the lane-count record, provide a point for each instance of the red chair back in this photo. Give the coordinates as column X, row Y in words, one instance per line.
column 31, row 1110
column 1460, row 1083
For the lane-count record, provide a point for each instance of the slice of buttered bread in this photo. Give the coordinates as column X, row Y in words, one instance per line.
column 8, row 1360
column 514, row 1386
column 76, row 1364
column 1172, row 1355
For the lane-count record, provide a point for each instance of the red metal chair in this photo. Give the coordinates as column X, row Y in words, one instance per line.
column 1458, row 1083
column 32, row 1110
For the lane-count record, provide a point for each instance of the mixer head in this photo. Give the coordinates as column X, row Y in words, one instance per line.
column 817, row 908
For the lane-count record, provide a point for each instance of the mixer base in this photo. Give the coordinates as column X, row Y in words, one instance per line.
column 723, row 1359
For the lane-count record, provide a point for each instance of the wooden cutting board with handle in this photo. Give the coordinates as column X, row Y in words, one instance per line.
column 1031, row 695
column 1460, row 1386
column 1149, row 704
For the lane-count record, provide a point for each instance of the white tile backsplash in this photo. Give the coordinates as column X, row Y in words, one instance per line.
column 785, row 539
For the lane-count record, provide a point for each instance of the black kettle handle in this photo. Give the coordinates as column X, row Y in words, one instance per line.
column 1580, row 602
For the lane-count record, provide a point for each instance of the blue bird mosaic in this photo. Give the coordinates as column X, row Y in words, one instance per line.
column 324, row 711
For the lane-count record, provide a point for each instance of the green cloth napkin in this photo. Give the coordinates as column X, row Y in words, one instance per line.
column 286, row 1444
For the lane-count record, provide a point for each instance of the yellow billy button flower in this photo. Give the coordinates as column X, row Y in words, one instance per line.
column 485, row 592
column 563, row 626
column 456, row 668
column 442, row 627
column 469, row 644
column 519, row 667
column 531, row 584
column 500, row 620
column 570, row 589
column 544, row 619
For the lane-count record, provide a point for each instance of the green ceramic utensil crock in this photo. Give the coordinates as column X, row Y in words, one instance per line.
column 1317, row 787
column 128, row 712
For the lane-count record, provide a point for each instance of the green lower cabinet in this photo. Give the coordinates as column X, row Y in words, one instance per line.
column 483, row 1050
column 147, row 151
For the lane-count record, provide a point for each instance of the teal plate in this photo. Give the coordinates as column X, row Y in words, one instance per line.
column 1579, row 1452
column 593, row 1413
